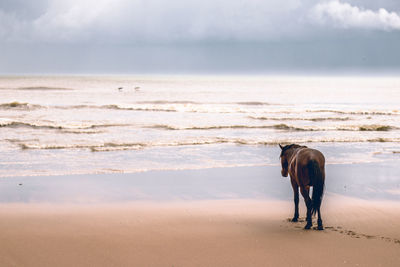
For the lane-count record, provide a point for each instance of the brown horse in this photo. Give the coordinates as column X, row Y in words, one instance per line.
column 306, row 167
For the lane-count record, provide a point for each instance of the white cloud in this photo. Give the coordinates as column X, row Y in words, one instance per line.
column 344, row 15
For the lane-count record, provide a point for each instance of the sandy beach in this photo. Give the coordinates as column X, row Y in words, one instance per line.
column 200, row 233
column 218, row 217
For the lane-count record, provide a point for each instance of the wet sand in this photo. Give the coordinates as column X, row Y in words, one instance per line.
column 215, row 217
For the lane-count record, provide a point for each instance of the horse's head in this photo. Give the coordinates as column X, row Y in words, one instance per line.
column 286, row 156
column 284, row 161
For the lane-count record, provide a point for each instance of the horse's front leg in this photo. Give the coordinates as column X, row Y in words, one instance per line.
column 296, row 201
column 305, row 192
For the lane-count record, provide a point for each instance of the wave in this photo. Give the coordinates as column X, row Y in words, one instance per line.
column 165, row 102
column 363, row 128
column 116, row 107
column 253, row 103
column 152, row 109
column 301, row 119
column 93, row 148
column 90, row 129
column 198, row 107
column 192, row 109
column 184, row 102
column 44, row 88
column 20, row 106
column 113, row 146
column 281, row 126
column 219, row 127
column 354, row 112
column 380, row 128
column 137, row 146
column 137, row 108
column 169, row 106
column 17, row 124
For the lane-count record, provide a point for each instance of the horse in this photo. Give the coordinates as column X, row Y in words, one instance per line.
column 306, row 168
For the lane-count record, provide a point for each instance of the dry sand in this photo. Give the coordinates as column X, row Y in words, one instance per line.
column 199, row 233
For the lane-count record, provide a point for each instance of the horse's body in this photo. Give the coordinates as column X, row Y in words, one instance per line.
column 306, row 168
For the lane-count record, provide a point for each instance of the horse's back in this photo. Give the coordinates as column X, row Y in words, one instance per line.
column 306, row 157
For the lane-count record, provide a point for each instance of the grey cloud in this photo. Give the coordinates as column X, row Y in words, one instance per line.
column 344, row 15
column 179, row 21
column 156, row 20
column 24, row 9
column 145, row 36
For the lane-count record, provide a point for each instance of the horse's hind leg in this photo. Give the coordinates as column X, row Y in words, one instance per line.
column 296, row 201
column 320, row 226
column 306, row 195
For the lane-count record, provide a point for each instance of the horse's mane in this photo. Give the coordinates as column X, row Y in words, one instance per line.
column 285, row 148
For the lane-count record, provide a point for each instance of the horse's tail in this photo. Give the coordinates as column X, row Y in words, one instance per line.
column 318, row 180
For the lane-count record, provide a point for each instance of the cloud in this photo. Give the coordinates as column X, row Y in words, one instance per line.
column 153, row 21
column 180, row 21
column 344, row 15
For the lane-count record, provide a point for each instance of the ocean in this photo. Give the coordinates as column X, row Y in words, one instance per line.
column 62, row 125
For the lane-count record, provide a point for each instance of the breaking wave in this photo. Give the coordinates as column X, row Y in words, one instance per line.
column 86, row 129
column 164, row 102
column 118, row 146
column 253, row 103
column 112, row 146
column 394, row 113
column 16, row 124
column 184, row 102
column 19, row 106
column 281, row 126
column 199, row 107
column 301, row 119
column 117, row 107
column 379, row 128
column 173, row 106
column 220, row 127
column 137, row 108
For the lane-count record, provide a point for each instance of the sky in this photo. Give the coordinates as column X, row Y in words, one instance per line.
column 193, row 36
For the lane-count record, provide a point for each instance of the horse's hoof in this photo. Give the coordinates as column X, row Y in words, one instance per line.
column 294, row 220
column 308, row 226
column 320, row 227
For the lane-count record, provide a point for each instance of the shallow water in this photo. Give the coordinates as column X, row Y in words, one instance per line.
column 369, row 181
column 85, row 125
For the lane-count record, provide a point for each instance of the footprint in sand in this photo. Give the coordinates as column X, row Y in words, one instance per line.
column 350, row 233
column 354, row 234
column 298, row 220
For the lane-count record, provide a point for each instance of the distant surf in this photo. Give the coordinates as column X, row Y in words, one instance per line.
column 55, row 124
